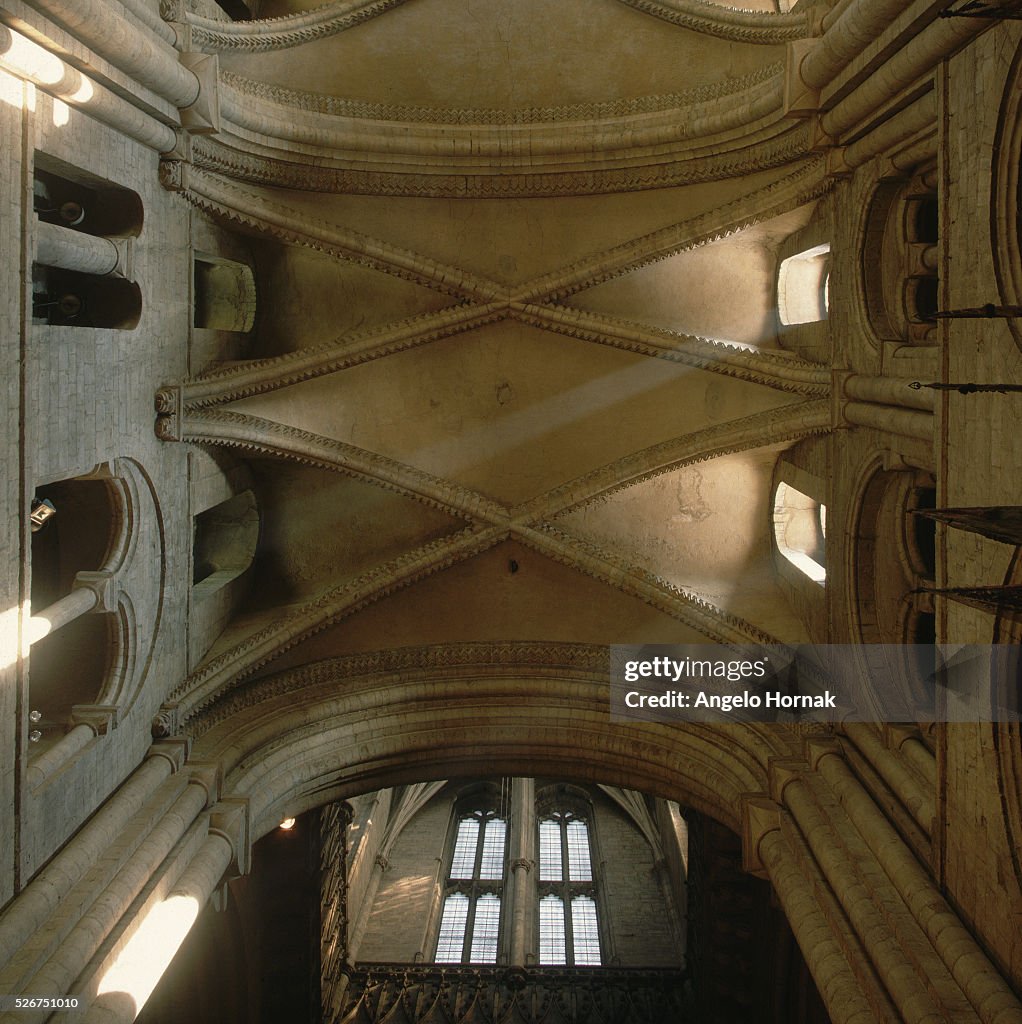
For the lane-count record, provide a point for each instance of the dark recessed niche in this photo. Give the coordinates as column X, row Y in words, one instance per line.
column 83, row 203
column 66, row 298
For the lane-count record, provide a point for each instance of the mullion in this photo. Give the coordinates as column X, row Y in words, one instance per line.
column 470, row 921
column 569, row 937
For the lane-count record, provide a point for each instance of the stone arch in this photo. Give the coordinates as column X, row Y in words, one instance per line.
column 96, row 605
column 1005, row 183
column 889, row 559
column 351, row 725
column 898, row 259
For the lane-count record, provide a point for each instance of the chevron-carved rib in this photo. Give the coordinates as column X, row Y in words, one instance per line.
column 806, row 183
column 222, row 198
column 262, row 437
column 770, row 368
column 231, row 383
column 687, row 607
column 282, row 33
column 739, row 26
column 760, row 430
column 207, row 682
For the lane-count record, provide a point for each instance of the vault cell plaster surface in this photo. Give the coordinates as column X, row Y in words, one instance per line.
column 704, row 528
column 482, row 599
column 511, row 410
column 318, row 300
column 319, row 526
column 514, row 240
column 506, row 55
column 723, row 290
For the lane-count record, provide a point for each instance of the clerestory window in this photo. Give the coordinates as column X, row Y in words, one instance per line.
column 800, row 530
column 470, row 924
column 568, row 926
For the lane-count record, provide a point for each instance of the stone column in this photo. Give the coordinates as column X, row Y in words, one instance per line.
column 984, row 987
column 921, row 54
column 890, row 420
column 141, row 963
column 119, row 40
column 45, row 892
column 84, row 940
column 914, row 119
column 824, row 954
column 57, row 246
column 845, row 37
column 359, row 922
column 27, row 60
column 522, row 860
column 892, row 391
column 79, row 602
column 905, row 786
column 91, row 590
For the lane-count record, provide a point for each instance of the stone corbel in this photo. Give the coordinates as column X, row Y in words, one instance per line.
column 168, row 414
column 103, row 585
column 174, row 163
column 166, row 721
column 100, row 718
column 203, row 116
column 800, row 101
column 760, row 816
column 231, row 819
column 209, row 775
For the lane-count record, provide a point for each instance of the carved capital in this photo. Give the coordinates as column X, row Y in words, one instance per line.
column 800, row 100
column 760, row 816
column 231, row 819
column 175, row 750
column 100, row 718
column 818, row 749
column 203, row 116
column 522, row 863
column 103, row 585
column 209, row 775
column 782, row 771
column 382, row 862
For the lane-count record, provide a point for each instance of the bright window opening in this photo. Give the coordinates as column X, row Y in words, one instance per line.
column 800, row 530
column 803, row 286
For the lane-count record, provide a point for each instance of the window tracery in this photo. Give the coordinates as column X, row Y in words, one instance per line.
column 470, row 923
column 568, row 922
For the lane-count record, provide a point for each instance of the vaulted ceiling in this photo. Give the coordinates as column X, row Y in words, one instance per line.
column 515, row 373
